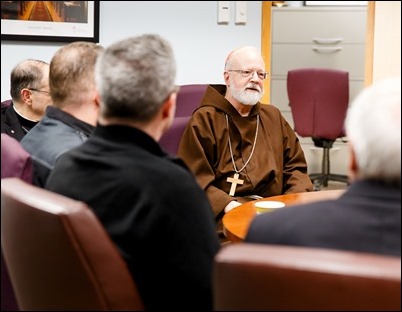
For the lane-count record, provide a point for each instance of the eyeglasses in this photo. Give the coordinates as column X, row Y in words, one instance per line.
column 32, row 89
column 249, row 73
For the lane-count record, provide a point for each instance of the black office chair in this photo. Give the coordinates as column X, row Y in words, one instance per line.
column 319, row 98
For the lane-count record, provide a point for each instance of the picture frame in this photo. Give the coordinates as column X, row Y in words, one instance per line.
column 50, row 21
column 335, row 3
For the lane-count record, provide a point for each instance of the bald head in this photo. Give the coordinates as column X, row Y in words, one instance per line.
column 28, row 74
column 248, row 56
column 244, row 74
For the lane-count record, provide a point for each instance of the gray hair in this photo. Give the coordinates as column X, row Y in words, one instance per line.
column 135, row 76
column 27, row 74
column 373, row 126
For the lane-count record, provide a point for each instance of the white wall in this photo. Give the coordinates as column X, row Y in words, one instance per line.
column 200, row 44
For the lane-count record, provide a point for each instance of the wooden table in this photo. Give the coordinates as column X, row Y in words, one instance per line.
column 237, row 221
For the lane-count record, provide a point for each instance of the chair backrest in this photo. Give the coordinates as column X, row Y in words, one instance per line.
column 6, row 103
column 189, row 98
column 252, row 277
column 318, row 99
column 15, row 160
column 8, row 300
column 59, row 255
column 170, row 140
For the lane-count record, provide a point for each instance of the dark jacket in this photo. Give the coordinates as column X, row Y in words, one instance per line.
column 10, row 123
column 366, row 218
column 55, row 134
column 153, row 209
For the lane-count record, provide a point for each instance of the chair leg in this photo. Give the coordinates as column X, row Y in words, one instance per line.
column 325, row 166
column 321, row 179
column 317, row 184
column 339, row 178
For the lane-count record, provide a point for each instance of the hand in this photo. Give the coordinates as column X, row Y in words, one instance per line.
column 233, row 204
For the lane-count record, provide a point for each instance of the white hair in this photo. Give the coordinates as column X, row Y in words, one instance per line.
column 373, row 126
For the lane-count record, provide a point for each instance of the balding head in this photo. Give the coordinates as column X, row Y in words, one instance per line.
column 244, row 74
column 246, row 56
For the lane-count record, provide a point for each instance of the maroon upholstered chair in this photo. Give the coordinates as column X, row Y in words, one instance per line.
column 318, row 99
column 257, row 277
column 15, row 162
column 6, row 103
column 59, row 256
column 188, row 99
column 171, row 138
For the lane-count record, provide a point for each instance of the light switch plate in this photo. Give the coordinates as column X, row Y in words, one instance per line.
column 223, row 12
column 241, row 12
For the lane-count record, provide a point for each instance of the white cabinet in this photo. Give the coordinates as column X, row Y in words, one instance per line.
column 326, row 37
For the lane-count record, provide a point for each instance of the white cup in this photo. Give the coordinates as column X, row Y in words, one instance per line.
column 268, row 205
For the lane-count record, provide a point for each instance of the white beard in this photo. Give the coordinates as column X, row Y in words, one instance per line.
column 247, row 97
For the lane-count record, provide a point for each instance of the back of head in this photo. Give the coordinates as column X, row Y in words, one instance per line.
column 28, row 74
column 373, row 126
column 134, row 77
column 71, row 77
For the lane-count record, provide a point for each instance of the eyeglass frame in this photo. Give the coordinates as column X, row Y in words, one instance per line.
column 42, row 91
column 249, row 73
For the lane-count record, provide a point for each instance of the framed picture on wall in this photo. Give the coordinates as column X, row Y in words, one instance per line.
column 54, row 21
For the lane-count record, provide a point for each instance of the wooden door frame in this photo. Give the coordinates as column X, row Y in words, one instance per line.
column 369, row 57
column 266, row 47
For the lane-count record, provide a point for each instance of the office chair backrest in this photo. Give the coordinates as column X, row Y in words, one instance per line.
column 59, row 255
column 318, row 99
column 171, row 138
column 252, row 277
column 6, row 103
column 189, row 98
column 15, row 160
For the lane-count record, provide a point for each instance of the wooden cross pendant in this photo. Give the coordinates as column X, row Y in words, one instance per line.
column 235, row 180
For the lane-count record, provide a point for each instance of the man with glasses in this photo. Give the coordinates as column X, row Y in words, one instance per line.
column 238, row 148
column 73, row 115
column 30, row 95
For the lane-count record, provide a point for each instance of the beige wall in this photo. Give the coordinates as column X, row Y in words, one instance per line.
column 387, row 40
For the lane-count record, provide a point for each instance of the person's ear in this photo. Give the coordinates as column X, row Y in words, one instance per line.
column 226, row 78
column 97, row 100
column 353, row 165
column 169, row 107
column 26, row 96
